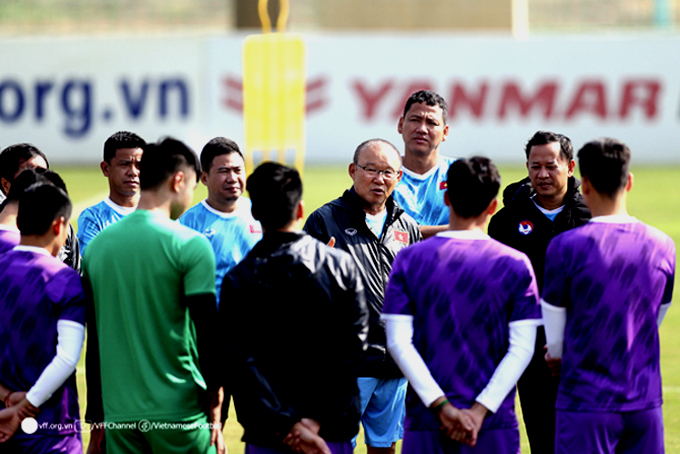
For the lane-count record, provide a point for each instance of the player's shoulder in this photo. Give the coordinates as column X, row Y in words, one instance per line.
column 446, row 161
column 193, row 214
column 93, row 210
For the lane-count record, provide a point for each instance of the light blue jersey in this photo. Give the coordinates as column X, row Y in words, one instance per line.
column 422, row 196
column 232, row 235
column 96, row 218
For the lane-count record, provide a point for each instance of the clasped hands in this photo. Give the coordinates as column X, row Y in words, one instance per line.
column 461, row 425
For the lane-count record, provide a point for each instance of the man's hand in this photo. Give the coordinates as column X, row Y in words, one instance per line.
column 10, row 418
column 303, row 438
column 457, row 425
column 25, row 408
column 331, row 242
column 555, row 364
column 215, row 418
column 477, row 413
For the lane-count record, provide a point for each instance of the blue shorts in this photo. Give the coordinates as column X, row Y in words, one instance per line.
column 493, row 441
column 383, row 408
column 628, row 432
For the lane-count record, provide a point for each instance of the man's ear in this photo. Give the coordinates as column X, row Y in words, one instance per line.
column 352, row 170
column 629, row 183
column 493, row 206
column 5, row 185
column 105, row 168
column 300, row 211
column 586, row 187
column 176, row 181
column 58, row 225
column 204, row 178
column 570, row 167
column 400, row 125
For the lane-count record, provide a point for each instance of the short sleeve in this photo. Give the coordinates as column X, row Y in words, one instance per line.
column 396, row 292
column 65, row 290
column 198, row 261
column 87, row 228
column 526, row 306
column 670, row 273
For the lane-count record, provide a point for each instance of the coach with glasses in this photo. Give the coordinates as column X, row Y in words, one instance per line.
column 370, row 225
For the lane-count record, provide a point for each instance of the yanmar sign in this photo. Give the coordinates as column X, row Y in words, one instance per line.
column 67, row 95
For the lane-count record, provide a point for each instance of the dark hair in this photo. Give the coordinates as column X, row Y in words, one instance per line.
column 162, row 159
column 13, row 156
column 40, row 205
column 29, row 177
column 217, row 147
column 429, row 98
column 369, row 142
column 546, row 137
column 606, row 164
column 275, row 192
column 471, row 185
column 121, row 139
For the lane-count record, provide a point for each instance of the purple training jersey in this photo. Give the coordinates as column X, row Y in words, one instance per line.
column 37, row 290
column 611, row 275
column 9, row 238
column 462, row 292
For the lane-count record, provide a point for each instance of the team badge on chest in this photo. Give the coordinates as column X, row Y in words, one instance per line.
column 526, row 227
column 402, row 237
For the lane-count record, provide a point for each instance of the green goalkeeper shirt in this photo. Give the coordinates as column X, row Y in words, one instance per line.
column 140, row 269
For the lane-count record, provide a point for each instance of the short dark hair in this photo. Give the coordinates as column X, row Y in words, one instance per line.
column 40, row 205
column 275, row 192
column 217, row 147
column 429, row 98
column 546, row 137
column 471, row 185
column 121, row 139
column 13, row 156
column 29, row 177
column 162, row 159
column 368, row 142
column 606, row 164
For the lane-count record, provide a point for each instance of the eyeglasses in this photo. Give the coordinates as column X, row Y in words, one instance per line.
column 387, row 174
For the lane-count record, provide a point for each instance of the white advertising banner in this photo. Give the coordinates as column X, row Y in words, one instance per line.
column 67, row 95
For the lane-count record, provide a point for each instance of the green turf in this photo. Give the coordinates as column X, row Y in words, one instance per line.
column 655, row 199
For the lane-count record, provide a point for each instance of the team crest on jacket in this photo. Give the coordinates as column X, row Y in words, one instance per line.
column 402, row 237
column 526, row 227
column 442, row 185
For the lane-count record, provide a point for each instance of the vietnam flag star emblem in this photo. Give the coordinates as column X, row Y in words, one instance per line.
column 442, row 185
column 402, row 237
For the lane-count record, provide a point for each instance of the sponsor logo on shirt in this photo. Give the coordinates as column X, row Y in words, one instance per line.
column 350, row 231
column 442, row 185
column 402, row 237
column 255, row 228
column 526, row 227
column 209, row 233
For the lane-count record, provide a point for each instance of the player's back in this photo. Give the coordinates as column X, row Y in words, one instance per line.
column 612, row 275
column 139, row 269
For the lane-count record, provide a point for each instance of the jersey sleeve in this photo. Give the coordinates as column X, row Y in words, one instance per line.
column 396, row 293
column 198, row 259
column 555, row 280
column 65, row 290
column 670, row 273
column 87, row 229
column 527, row 302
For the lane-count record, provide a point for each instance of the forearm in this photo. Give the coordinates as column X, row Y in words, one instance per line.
column 512, row 366
column 431, row 230
column 399, row 329
column 70, row 337
column 555, row 322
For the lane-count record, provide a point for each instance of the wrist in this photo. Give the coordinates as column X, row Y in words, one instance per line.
column 438, row 404
column 5, row 399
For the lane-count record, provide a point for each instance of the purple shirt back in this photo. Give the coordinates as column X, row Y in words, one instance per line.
column 37, row 290
column 462, row 293
column 612, row 278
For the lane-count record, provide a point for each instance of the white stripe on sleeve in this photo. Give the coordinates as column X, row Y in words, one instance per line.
column 555, row 322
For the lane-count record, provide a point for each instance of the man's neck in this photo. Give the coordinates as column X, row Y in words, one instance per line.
column 374, row 210
column 155, row 201
column 420, row 164
column 604, row 206
column 48, row 243
column 8, row 216
column 550, row 203
column 225, row 206
column 458, row 223
column 124, row 201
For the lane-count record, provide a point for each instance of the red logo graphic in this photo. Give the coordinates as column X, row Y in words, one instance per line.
column 402, row 237
column 255, row 228
column 526, row 227
column 316, row 96
column 442, row 185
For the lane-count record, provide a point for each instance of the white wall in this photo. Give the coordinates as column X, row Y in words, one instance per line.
column 67, row 95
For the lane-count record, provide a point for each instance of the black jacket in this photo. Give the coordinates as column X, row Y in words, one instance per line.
column 295, row 322
column 521, row 225
column 345, row 220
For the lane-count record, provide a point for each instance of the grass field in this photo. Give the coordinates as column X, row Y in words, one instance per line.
column 655, row 199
